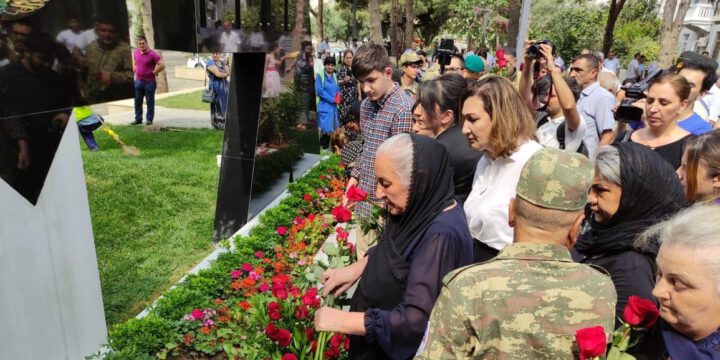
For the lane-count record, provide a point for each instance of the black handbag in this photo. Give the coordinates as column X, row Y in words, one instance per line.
column 208, row 94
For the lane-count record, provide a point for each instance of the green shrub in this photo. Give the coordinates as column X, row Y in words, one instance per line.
column 180, row 301
column 144, row 336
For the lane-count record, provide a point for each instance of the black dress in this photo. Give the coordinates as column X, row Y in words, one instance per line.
column 672, row 152
column 464, row 160
column 403, row 276
column 348, row 91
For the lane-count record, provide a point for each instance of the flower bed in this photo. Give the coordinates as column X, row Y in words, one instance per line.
column 257, row 300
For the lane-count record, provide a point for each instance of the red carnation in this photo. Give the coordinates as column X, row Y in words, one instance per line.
column 281, row 230
column 354, row 193
column 336, row 340
column 289, row 356
column 640, row 312
column 247, row 267
column 279, row 291
column 307, row 197
column 282, row 336
column 274, row 311
column 591, row 341
column 301, row 312
column 341, row 214
column 310, row 334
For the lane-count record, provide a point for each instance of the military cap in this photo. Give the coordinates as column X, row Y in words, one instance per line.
column 691, row 57
column 410, row 57
column 556, row 179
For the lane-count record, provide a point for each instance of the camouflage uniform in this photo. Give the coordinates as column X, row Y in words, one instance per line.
column 527, row 302
column 117, row 61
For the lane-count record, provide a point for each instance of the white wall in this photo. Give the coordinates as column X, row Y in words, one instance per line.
column 50, row 298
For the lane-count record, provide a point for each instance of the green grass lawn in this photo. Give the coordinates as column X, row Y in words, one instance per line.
column 152, row 214
column 190, row 101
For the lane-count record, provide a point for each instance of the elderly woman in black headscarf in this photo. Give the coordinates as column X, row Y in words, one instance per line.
column 425, row 237
column 633, row 189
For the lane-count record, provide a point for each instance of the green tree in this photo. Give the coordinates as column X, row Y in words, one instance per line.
column 572, row 26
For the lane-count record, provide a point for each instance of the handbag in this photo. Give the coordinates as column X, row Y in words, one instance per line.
column 208, row 94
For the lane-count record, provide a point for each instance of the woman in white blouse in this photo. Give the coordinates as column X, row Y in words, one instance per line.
column 497, row 121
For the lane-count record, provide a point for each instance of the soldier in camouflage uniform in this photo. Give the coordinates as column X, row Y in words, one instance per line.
column 109, row 66
column 527, row 302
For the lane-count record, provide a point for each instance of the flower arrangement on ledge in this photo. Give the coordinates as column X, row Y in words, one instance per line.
column 258, row 300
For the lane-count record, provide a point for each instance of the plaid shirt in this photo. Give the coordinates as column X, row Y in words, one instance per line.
column 379, row 121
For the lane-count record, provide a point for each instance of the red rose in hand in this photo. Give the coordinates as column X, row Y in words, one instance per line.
column 591, row 341
column 289, row 357
column 640, row 312
column 341, row 214
column 354, row 193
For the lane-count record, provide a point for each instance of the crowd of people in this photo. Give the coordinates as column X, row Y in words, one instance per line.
column 518, row 210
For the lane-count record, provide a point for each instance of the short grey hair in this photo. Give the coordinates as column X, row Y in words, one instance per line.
column 607, row 164
column 693, row 228
column 400, row 150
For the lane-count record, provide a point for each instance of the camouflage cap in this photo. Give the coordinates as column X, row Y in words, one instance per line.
column 556, row 179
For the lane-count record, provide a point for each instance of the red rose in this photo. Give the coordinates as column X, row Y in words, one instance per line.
column 332, row 353
column 289, row 357
column 336, row 340
column 281, row 230
column 354, row 193
column 640, row 312
column 341, row 214
column 591, row 341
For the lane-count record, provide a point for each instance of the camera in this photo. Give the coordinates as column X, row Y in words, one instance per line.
column 628, row 113
column 533, row 51
column 444, row 52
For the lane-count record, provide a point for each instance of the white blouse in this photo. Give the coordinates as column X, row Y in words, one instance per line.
column 494, row 185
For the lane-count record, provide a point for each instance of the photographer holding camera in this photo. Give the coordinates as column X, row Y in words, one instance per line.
column 563, row 127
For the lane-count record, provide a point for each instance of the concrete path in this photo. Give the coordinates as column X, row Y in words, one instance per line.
column 166, row 117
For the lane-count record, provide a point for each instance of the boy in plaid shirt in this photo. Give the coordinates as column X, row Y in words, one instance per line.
column 386, row 111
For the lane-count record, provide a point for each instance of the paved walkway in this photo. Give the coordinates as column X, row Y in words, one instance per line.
column 166, row 117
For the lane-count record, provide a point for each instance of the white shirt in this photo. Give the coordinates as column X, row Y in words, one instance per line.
column 612, row 65
column 69, row 38
column 486, row 208
column 85, row 38
column 709, row 105
column 230, row 41
column 547, row 134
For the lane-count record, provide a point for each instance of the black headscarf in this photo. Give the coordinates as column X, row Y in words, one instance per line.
column 651, row 192
column 431, row 191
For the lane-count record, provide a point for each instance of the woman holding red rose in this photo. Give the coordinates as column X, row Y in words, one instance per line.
column 425, row 237
column 688, row 283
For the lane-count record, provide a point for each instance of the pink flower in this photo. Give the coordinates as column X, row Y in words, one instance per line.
column 236, row 274
column 292, row 255
column 197, row 314
column 301, row 262
column 259, row 254
column 209, row 322
column 264, row 287
column 281, row 230
column 247, row 267
column 253, row 275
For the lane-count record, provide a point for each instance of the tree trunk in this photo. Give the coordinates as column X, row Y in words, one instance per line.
column 146, row 11
column 615, row 7
column 515, row 7
column 670, row 30
column 409, row 23
column 319, row 20
column 297, row 33
column 393, row 31
column 375, row 26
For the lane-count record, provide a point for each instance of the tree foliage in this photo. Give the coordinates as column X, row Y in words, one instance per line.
column 572, row 26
